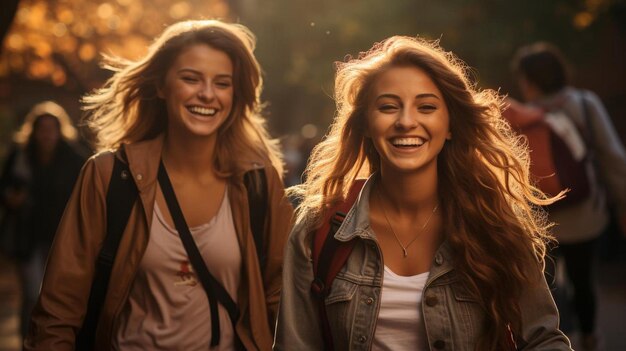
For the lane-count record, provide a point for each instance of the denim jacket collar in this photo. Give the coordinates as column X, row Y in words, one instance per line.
column 357, row 224
column 357, row 221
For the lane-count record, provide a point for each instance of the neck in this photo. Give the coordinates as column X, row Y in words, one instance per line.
column 189, row 155
column 409, row 192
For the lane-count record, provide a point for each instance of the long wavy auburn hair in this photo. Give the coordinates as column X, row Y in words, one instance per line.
column 491, row 209
column 127, row 109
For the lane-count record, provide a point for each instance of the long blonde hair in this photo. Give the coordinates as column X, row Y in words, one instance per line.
column 127, row 109
column 490, row 207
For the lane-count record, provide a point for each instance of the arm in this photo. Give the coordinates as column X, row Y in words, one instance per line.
column 58, row 315
column 540, row 318
column 279, row 224
column 10, row 197
column 609, row 153
column 298, row 326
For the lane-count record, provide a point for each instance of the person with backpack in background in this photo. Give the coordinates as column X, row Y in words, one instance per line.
column 542, row 76
column 36, row 182
column 181, row 127
column 443, row 246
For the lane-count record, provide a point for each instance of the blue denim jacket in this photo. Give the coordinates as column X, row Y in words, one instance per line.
column 452, row 317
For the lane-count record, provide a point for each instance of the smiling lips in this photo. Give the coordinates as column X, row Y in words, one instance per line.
column 203, row 111
column 407, row 142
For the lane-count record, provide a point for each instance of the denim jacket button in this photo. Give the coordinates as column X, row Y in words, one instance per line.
column 369, row 301
column 438, row 259
column 439, row 344
column 431, row 300
column 362, row 338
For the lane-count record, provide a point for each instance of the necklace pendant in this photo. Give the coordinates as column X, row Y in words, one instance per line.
column 405, row 253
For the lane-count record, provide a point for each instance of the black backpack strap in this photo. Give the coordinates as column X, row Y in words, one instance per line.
column 256, row 186
column 214, row 289
column 120, row 198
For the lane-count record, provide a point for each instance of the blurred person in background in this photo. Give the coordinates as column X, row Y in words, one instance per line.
column 542, row 75
column 36, row 182
column 448, row 249
column 186, row 121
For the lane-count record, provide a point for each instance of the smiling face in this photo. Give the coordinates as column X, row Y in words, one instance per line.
column 407, row 120
column 198, row 91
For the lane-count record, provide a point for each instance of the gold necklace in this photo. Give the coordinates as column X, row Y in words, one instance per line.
column 404, row 248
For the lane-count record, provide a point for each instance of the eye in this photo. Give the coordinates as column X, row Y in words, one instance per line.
column 427, row 108
column 189, row 79
column 387, row 108
column 223, row 84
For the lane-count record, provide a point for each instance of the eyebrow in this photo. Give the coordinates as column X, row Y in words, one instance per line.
column 418, row 96
column 191, row 70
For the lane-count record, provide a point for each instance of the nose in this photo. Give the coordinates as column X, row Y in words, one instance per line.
column 206, row 92
column 407, row 119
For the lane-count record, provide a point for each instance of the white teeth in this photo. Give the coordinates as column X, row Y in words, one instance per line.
column 203, row 110
column 407, row 141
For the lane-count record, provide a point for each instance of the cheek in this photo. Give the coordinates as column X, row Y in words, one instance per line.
column 376, row 126
column 227, row 98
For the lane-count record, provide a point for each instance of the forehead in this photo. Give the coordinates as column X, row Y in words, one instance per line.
column 202, row 56
column 405, row 80
column 46, row 119
column 46, row 122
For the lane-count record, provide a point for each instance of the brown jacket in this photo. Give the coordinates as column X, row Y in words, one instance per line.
column 60, row 310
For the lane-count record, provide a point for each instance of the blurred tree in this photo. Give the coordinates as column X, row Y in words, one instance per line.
column 53, row 47
column 9, row 7
column 61, row 40
column 299, row 40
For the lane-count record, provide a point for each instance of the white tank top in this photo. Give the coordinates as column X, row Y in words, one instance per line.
column 400, row 325
column 167, row 308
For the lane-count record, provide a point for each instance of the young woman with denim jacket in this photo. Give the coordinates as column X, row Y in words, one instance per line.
column 449, row 244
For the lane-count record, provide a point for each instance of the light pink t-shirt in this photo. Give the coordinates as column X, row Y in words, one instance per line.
column 167, row 308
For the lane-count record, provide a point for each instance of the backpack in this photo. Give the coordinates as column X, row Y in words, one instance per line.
column 330, row 255
column 560, row 150
column 121, row 196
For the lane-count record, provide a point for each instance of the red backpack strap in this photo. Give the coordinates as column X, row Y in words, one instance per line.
column 330, row 255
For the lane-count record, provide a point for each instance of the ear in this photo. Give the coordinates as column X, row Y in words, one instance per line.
column 449, row 136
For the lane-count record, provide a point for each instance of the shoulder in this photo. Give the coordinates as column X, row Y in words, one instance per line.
column 100, row 166
column 12, row 153
column 262, row 166
column 581, row 95
column 301, row 234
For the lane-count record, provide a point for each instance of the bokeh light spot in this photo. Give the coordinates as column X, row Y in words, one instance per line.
column 309, row 131
column 583, row 20
column 180, row 10
column 87, row 52
column 105, row 11
column 59, row 29
column 15, row 42
column 65, row 16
